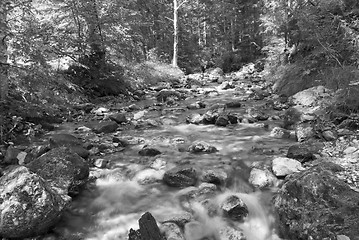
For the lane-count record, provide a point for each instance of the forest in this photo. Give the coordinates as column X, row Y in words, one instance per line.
column 184, row 119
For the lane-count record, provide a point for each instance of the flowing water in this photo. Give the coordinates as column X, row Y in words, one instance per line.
column 115, row 201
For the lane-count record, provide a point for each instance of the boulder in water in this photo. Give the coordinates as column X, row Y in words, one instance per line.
column 316, row 204
column 195, row 118
column 149, row 151
column 215, row 176
column 202, row 147
column 181, row 177
column 234, row 208
column 63, row 169
column 222, row 121
column 278, row 132
column 28, row 205
column 257, row 114
column 262, row 178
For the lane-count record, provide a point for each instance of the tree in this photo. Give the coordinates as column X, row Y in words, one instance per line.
column 3, row 50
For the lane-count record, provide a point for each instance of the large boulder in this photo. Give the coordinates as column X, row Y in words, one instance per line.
column 64, row 170
column 28, row 205
column 316, row 204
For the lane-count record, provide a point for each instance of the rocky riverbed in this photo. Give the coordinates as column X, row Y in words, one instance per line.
column 211, row 156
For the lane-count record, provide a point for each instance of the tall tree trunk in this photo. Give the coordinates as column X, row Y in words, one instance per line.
column 3, row 67
column 94, row 39
column 3, row 52
column 175, row 33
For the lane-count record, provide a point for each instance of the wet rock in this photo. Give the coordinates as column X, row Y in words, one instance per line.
column 215, row 176
column 316, row 204
column 148, row 176
column 222, row 121
column 28, row 206
column 233, row 118
column 226, row 85
column 206, row 189
column 234, row 104
column 101, row 111
column 133, row 107
column 278, row 132
column 259, row 94
column 148, row 227
column 179, row 219
column 149, row 151
column 304, row 131
column 181, row 177
column 261, row 178
column 257, row 114
column 172, row 231
column 301, row 152
column 231, row 234
column 63, row 169
column 196, row 105
column 283, row 166
column 201, row 147
column 101, row 163
column 195, row 118
column 104, row 127
column 119, row 118
column 158, row 164
column 234, row 208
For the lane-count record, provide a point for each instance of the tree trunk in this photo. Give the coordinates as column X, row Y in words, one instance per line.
column 175, row 33
column 3, row 52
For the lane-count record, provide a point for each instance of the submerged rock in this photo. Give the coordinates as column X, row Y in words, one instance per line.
column 316, row 204
column 28, row 205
